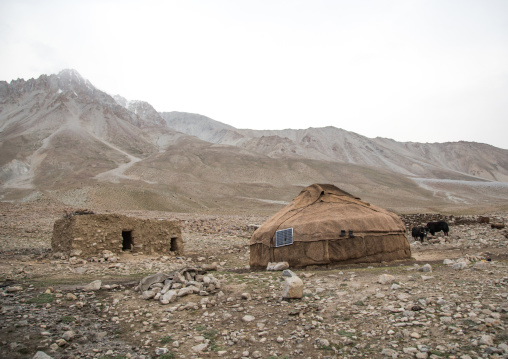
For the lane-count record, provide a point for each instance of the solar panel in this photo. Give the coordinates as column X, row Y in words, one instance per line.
column 284, row 237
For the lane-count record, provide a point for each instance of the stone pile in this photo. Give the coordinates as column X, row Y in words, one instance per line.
column 168, row 287
column 421, row 219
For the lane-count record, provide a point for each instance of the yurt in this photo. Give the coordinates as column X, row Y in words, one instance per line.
column 325, row 225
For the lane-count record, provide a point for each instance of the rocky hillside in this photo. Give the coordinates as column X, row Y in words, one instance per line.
column 62, row 138
column 452, row 160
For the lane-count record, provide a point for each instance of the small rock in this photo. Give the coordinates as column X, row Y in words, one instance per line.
column 14, row 288
column 389, row 353
column 324, row 342
column 68, row 335
column 277, row 266
column 481, row 265
column 76, row 253
column 70, row 296
column 199, row 348
column 486, row 340
column 503, row 347
column 293, row 288
column 148, row 294
column 386, row 279
column 161, row 351
column 169, row 297
column 93, row 286
column 61, row 342
column 288, row 273
column 210, row 267
column 41, row 355
column 248, row 318
column 459, row 265
column 426, row 268
column 146, row 282
column 187, row 290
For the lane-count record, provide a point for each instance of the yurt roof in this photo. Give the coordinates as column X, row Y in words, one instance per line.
column 322, row 211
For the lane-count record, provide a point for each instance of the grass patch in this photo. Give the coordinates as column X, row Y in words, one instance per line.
column 67, row 319
column 326, row 347
column 502, row 337
column 469, row 322
column 165, row 340
column 345, row 334
column 200, row 328
column 211, row 335
column 119, row 356
column 42, row 298
column 168, row 356
column 437, row 353
column 24, row 351
column 44, row 281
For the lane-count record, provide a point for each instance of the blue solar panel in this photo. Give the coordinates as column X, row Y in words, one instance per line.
column 284, row 237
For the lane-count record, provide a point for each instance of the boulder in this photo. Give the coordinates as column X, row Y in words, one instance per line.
column 93, row 286
column 277, row 266
column 146, row 282
column 293, row 288
column 169, row 296
column 288, row 273
column 41, row 355
column 386, row 279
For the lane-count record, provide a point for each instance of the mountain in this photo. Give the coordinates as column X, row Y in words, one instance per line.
column 62, row 138
column 452, row 160
column 61, row 128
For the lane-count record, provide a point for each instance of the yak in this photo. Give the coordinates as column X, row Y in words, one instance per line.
column 434, row 227
column 419, row 232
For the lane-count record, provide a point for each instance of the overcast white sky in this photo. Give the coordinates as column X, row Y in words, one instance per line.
column 411, row 70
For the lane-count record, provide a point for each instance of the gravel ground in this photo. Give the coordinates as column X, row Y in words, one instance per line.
column 449, row 301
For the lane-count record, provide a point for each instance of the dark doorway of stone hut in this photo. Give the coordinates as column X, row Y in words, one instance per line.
column 127, row 242
column 173, row 245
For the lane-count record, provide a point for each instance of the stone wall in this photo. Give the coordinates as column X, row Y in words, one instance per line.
column 90, row 234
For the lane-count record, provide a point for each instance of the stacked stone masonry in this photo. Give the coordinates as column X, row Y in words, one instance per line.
column 89, row 235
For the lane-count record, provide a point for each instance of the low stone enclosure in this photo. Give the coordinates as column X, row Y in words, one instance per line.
column 88, row 234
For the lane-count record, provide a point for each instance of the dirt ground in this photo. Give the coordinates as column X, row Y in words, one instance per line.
column 455, row 310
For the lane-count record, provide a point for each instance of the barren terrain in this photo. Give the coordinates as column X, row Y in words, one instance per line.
column 456, row 310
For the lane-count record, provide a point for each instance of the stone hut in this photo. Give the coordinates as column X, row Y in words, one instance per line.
column 90, row 234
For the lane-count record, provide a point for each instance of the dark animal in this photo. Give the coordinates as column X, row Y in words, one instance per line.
column 497, row 225
column 434, row 227
column 484, row 220
column 419, row 232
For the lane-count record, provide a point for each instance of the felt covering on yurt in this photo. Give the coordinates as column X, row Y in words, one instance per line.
column 317, row 216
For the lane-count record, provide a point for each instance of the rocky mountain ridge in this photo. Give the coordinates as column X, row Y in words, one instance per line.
column 59, row 135
column 338, row 145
